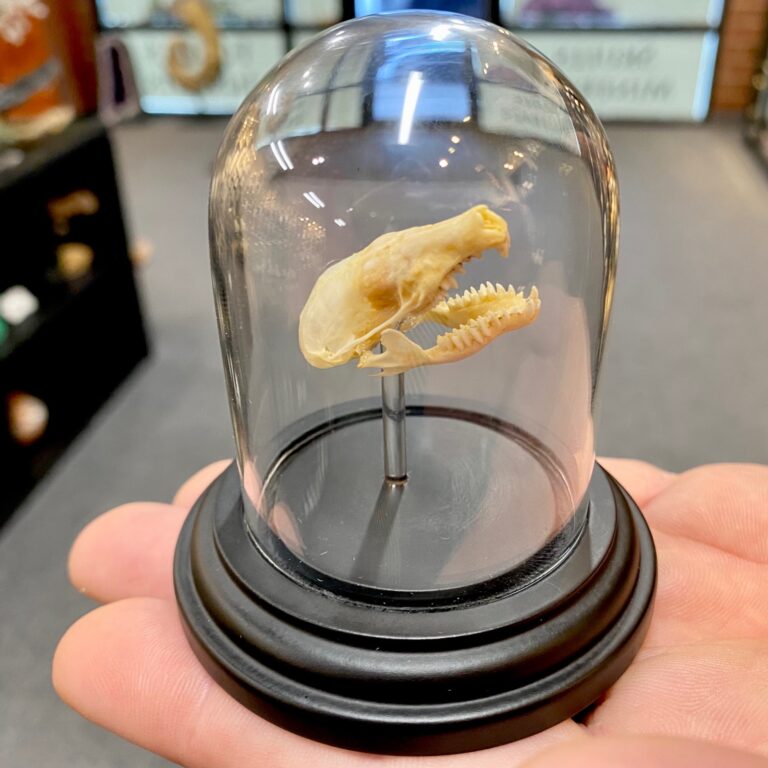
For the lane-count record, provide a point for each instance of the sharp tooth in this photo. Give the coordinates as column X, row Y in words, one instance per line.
column 499, row 287
column 490, row 286
column 473, row 290
column 483, row 291
column 453, row 282
column 460, row 269
column 476, row 334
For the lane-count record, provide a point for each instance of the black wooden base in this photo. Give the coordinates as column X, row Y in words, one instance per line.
column 412, row 677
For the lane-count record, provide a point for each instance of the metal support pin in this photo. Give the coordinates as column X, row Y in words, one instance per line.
column 393, row 418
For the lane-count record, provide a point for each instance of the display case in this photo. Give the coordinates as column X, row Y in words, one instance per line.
column 414, row 230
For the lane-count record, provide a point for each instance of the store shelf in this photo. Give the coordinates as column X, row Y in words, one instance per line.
column 75, row 359
column 87, row 333
column 53, row 311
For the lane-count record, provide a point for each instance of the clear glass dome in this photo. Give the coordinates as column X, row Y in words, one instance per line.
column 377, row 126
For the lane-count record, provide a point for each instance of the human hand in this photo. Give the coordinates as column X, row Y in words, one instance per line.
column 694, row 696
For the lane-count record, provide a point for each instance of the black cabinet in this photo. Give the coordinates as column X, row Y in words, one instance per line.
column 87, row 333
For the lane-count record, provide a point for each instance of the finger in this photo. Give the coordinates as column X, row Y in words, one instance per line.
column 642, row 480
column 127, row 552
column 127, row 667
column 193, row 488
column 704, row 593
column 645, row 752
column 723, row 506
column 712, row 691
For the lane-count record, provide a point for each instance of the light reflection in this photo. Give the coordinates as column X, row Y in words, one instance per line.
column 340, row 222
column 272, row 101
column 443, row 162
column 451, row 150
column 278, row 150
column 312, row 198
column 440, row 32
column 412, row 91
column 455, row 139
column 319, row 160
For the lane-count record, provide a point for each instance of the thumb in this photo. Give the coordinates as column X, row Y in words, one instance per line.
column 644, row 752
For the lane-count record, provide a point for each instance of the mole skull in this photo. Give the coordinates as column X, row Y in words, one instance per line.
column 400, row 280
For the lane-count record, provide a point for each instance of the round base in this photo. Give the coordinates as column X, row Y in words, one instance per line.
column 415, row 675
column 500, row 508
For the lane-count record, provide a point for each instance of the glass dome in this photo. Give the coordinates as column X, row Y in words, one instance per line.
column 468, row 460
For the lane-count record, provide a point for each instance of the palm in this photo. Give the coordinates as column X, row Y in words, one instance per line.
column 701, row 674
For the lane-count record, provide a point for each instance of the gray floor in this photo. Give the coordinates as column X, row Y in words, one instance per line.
column 685, row 379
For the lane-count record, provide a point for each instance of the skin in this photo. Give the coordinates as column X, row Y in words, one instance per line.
column 695, row 697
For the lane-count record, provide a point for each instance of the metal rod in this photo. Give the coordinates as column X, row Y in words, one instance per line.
column 393, row 416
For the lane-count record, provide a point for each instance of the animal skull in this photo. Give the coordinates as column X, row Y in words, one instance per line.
column 400, row 280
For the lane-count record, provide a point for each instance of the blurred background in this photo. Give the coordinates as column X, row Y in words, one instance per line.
column 110, row 116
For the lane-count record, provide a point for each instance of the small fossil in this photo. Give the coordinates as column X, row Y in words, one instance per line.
column 400, row 280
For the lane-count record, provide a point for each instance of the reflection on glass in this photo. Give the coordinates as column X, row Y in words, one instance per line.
column 479, row 8
column 406, row 121
column 442, row 92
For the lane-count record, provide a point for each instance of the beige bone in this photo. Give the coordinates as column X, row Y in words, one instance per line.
column 472, row 331
column 399, row 281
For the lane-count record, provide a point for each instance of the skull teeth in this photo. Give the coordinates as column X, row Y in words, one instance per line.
column 486, row 291
column 477, row 332
column 449, row 283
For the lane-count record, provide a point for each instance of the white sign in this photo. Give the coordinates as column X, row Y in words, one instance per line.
column 246, row 58
column 134, row 13
column 611, row 13
column 313, row 13
column 631, row 76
